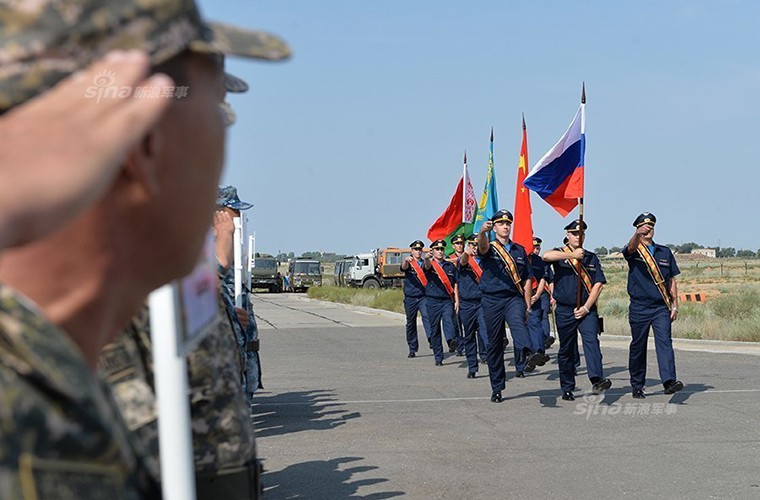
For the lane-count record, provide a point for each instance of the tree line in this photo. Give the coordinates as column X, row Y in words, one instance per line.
column 720, row 252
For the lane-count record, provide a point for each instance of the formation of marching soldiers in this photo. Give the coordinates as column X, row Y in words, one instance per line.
column 486, row 284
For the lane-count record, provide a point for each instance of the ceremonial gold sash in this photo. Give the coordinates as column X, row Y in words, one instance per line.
column 419, row 272
column 579, row 270
column 655, row 274
column 509, row 262
column 442, row 276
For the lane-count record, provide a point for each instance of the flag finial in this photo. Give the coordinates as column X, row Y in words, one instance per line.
column 523, row 117
column 491, row 134
column 465, row 156
column 583, row 94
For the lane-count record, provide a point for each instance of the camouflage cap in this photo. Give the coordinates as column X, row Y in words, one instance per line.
column 228, row 197
column 43, row 41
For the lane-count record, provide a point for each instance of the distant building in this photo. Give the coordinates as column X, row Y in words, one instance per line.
column 707, row 252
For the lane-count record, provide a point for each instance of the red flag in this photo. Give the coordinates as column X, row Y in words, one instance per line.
column 522, row 227
column 451, row 218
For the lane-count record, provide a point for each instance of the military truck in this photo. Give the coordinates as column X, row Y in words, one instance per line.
column 302, row 274
column 381, row 268
column 264, row 274
column 342, row 268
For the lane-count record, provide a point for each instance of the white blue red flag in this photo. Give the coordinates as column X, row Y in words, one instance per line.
column 558, row 176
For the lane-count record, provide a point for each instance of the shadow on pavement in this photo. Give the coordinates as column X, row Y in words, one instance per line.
column 297, row 411
column 322, row 479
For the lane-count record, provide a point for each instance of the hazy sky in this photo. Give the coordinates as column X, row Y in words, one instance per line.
column 357, row 141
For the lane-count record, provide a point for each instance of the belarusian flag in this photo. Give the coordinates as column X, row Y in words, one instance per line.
column 458, row 216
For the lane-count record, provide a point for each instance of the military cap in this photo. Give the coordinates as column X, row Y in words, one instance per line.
column 576, row 226
column 438, row 244
column 416, row 245
column 537, row 241
column 228, row 197
column 46, row 40
column 458, row 239
column 502, row 216
column 473, row 238
column 645, row 218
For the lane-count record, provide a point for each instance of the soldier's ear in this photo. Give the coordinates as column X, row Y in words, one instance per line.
column 141, row 166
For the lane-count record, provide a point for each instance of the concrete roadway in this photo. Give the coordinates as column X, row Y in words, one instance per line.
column 345, row 414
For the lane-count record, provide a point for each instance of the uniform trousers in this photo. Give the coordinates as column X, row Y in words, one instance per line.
column 411, row 306
column 497, row 309
column 567, row 330
column 640, row 319
column 470, row 316
column 440, row 311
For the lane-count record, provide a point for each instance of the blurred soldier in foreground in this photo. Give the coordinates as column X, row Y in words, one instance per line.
column 70, row 293
column 652, row 286
column 223, row 436
column 570, row 262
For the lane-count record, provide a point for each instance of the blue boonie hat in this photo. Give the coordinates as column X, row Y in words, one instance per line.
column 228, row 197
column 645, row 218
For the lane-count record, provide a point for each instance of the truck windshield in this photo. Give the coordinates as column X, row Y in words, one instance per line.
column 264, row 264
column 307, row 268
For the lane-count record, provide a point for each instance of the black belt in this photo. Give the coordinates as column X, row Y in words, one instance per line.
column 252, row 346
column 233, row 483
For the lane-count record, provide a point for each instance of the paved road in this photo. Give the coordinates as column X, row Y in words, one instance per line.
column 346, row 415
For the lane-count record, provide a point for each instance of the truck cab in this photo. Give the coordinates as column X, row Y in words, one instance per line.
column 264, row 274
column 304, row 273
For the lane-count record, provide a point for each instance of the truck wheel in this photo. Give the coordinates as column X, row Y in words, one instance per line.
column 371, row 283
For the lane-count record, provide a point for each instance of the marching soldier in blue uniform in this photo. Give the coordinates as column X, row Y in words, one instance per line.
column 505, row 285
column 652, row 286
column 539, row 286
column 415, row 282
column 545, row 298
column 442, row 298
column 458, row 243
column 570, row 262
column 470, row 312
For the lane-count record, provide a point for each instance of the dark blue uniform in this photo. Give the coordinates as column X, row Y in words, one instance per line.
column 414, row 301
column 440, row 307
column 503, row 300
column 546, row 303
column 535, row 320
column 647, row 309
column 470, row 313
column 565, row 293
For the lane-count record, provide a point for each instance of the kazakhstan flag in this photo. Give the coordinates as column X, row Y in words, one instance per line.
column 489, row 200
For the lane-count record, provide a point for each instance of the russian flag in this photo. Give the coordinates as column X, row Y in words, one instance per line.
column 558, row 175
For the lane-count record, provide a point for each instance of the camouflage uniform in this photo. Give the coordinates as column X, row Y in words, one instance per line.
column 248, row 338
column 61, row 434
column 223, row 434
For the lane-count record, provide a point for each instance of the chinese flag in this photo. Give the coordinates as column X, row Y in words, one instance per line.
column 522, row 227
